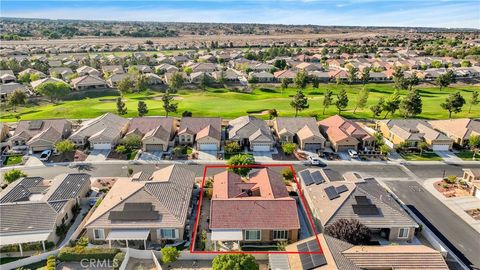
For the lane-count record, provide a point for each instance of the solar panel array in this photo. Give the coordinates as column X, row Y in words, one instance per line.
column 362, row 200
column 364, row 207
column 331, row 192
column 134, row 212
column 306, row 178
column 341, row 189
column 35, row 125
column 311, row 261
column 317, row 177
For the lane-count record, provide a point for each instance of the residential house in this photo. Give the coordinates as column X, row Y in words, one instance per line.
column 363, row 199
column 229, row 76
column 101, row 133
column 459, row 130
column 113, row 69
column 8, row 88
column 37, row 83
column 7, row 76
column 412, row 132
column 141, row 68
column 301, row 130
column 321, row 76
column 345, row 134
column 261, row 77
column 148, row 206
column 32, row 208
column 197, row 77
column 64, row 72
column 284, row 74
column 86, row 70
column 166, row 68
column 88, row 82
column 341, row 75
column 116, row 78
column 239, row 209
column 39, row 135
column 31, row 71
column 203, row 67
column 309, row 67
column 4, row 130
column 156, row 132
column 251, row 132
column 205, row 133
column 471, row 176
column 153, row 79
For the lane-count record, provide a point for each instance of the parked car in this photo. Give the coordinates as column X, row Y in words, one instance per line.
column 316, row 161
column 352, row 153
column 45, row 155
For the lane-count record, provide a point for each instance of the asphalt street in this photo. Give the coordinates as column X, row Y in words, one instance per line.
column 431, row 171
column 461, row 238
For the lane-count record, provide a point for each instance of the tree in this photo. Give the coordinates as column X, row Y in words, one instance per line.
column 232, row 148
column 287, row 174
column 474, row 100
column 121, row 107
column 365, row 75
column 474, row 144
column 53, row 90
column 234, row 262
column 142, row 108
column 412, row 81
column 288, row 148
column 453, row 103
column 377, row 109
column 285, row 83
column 176, row 81
column 187, row 114
column 12, row 175
column 411, row 104
column 205, row 81
column 362, row 99
column 24, row 78
column 422, row 146
column 125, row 85
column 384, row 149
column 132, row 141
column 168, row 105
column 121, row 149
column 64, row 146
column 342, row 101
column 299, row 102
column 349, row 230
column 18, row 97
column 170, row 254
column 392, row 104
column 399, row 78
column 327, row 99
column 301, row 79
column 315, row 82
column 444, row 80
column 352, row 74
column 272, row 113
column 240, row 160
column 141, row 83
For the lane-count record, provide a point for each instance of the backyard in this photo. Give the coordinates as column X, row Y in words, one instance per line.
column 224, row 103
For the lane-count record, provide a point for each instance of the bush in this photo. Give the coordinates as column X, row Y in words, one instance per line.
column 287, row 174
column 349, row 230
column 235, row 261
column 82, row 242
column 170, row 254
column 75, row 254
column 118, row 260
column 12, row 175
column 51, row 263
column 451, row 179
column 239, row 160
column 132, row 142
column 232, row 148
column 64, row 146
column 288, row 148
column 121, row 149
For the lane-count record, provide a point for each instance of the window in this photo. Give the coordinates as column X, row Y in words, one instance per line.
column 280, row 235
column 98, row 234
column 168, row 233
column 252, row 235
column 403, row 232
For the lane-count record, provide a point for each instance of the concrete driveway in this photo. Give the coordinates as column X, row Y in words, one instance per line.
column 344, row 156
column 207, row 155
column 151, row 156
column 262, row 156
column 448, row 156
column 97, row 155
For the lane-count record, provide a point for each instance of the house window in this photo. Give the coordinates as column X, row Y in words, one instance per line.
column 403, row 232
column 98, row 234
column 280, row 235
column 252, row 235
column 168, row 233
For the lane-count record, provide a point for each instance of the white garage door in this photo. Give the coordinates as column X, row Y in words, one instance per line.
column 477, row 193
column 154, row 147
column 440, row 147
column 207, row 146
column 261, row 147
column 102, row 146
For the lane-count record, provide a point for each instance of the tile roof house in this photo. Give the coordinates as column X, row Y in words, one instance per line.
column 282, row 74
column 301, row 130
column 62, row 71
column 88, row 81
column 204, row 132
column 37, row 83
column 412, row 132
column 115, row 78
column 358, row 198
column 153, row 206
column 156, row 132
column 31, row 208
column 251, row 132
column 339, row 255
column 458, row 130
column 102, row 132
column 261, row 77
column 344, row 134
column 7, row 76
column 238, row 208
column 8, row 88
column 39, row 135
column 86, row 70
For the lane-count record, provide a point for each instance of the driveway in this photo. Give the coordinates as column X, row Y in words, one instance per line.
column 344, row 156
column 97, row 155
column 262, row 156
column 207, row 155
column 448, row 156
column 151, row 156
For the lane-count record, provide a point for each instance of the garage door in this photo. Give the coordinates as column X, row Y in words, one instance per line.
column 345, row 147
column 154, row 147
column 312, row 146
column 477, row 193
column 261, row 147
column 102, row 146
column 207, row 146
column 440, row 147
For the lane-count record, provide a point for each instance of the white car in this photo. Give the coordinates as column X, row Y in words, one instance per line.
column 315, row 161
column 352, row 153
column 45, row 155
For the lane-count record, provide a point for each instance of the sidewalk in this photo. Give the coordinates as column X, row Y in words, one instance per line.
column 457, row 204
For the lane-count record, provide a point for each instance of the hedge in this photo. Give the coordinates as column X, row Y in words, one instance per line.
column 51, row 263
column 68, row 254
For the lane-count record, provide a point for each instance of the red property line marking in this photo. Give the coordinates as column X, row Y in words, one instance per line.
column 197, row 218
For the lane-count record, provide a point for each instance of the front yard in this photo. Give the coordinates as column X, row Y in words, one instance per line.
column 12, row 160
column 465, row 155
column 426, row 156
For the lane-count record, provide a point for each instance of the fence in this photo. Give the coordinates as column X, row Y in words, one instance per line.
column 28, row 260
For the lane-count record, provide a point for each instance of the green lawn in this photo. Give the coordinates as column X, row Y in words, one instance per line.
column 230, row 104
column 12, row 160
column 9, row 259
column 466, row 155
column 429, row 156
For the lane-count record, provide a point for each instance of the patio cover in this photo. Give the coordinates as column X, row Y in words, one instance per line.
column 23, row 238
column 128, row 234
column 278, row 262
column 227, row 235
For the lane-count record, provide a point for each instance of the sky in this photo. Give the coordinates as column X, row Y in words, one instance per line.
column 423, row 13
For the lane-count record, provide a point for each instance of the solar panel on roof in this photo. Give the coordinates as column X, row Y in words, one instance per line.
column 306, row 177
column 341, row 189
column 365, row 210
column 362, row 200
column 35, row 125
column 331, row 192
column 313, row 260
column 133, row 215
column 317, row 177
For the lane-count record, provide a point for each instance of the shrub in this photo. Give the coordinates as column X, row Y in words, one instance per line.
column 235, row 261
column 287, row 174
column 64, row 146
column 239, row 160
column 349, row 230
column 121, row 149
column 69, row 254
column 288, row 148
column 132, row 142
column 51, row 262
column 170, row 254
column 82, row 242
column 118, row 260
column 451, row 179
column 12, row 175
column 232, row 148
